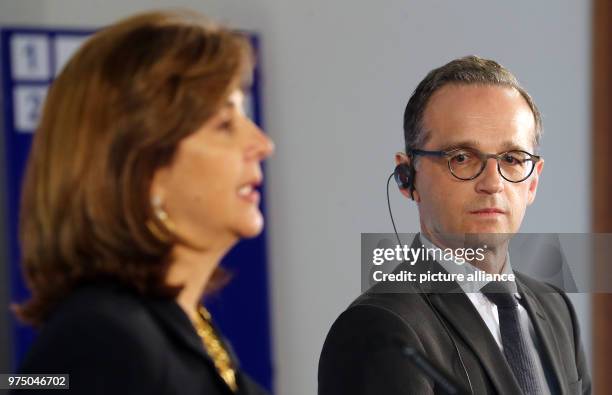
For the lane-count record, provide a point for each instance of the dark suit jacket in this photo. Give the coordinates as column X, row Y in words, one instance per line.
column 361, row 354
column 112, row 341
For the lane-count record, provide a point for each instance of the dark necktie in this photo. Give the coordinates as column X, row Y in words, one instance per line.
column 520, row 356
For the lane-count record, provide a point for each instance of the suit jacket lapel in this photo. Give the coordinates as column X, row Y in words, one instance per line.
column 459, row 311
column 172, row 317
column 544, row 333
column 174, row 320
column 455, row 307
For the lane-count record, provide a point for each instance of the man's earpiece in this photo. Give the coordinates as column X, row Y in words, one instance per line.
column 404, row 177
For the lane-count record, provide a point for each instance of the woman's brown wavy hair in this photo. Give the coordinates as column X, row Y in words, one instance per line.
column 114, row 115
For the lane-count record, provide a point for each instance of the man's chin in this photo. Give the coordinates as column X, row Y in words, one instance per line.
column 490, row 240
column 478, row 235
column 485, row 227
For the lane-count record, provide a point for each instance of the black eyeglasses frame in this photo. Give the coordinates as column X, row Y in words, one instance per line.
column 484, row 157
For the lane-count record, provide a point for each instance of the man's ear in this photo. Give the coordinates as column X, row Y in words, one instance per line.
column 400, row 158
column 533, row 182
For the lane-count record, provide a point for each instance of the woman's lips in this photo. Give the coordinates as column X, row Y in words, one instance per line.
column 249, row 193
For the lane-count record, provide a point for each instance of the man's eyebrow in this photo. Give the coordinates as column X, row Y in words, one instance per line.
column 506, row 145
column 511, row 145
column 460, row 144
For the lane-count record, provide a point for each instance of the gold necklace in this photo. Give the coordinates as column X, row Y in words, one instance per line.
column 215, row 348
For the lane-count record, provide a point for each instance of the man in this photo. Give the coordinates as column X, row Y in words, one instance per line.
column 471, row 135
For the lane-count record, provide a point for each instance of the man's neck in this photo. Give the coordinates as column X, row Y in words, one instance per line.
column 494, row 256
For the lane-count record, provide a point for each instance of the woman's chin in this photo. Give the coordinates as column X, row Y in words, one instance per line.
column 251, row 227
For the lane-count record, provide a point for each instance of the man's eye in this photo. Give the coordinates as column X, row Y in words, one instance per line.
column 461, row 157
column 511, row 159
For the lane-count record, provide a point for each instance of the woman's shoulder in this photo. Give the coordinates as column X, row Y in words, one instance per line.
column 100, row 329
column 102, row 304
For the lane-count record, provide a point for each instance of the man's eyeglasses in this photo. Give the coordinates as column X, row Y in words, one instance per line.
column 467, row 163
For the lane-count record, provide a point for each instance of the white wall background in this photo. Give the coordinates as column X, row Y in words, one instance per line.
column 337, row 75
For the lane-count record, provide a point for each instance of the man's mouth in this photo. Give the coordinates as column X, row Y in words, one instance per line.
column 489, row 211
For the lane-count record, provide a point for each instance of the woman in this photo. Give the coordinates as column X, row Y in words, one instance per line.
column 142, row 175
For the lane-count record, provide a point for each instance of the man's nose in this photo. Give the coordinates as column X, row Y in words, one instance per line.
column 490, row 181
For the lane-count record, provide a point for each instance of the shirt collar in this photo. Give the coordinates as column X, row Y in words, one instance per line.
column 452, row 266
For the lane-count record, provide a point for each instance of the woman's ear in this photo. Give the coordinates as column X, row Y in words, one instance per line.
column 159, row 185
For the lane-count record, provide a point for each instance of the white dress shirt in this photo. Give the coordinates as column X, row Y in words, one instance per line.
column 488, row 309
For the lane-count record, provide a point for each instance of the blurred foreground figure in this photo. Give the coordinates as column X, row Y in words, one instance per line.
column 142, row 175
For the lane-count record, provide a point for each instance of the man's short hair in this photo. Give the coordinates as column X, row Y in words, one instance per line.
column 469, row 70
